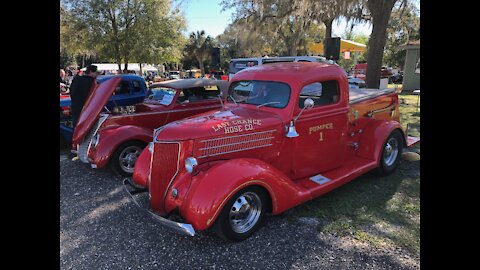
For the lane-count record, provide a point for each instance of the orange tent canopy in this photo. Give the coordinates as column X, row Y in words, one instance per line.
column 345, row 46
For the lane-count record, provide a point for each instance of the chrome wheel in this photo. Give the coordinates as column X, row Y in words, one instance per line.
column 390, row 152
column 245, row 212
column 128, row 157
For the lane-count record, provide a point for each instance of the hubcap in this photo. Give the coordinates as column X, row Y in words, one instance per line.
column 128, row 157
column 245, row 212
column 390, row 152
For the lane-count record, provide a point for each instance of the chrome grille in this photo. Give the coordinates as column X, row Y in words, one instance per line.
column 164, row 167
column 231, row 144
column 84, row 146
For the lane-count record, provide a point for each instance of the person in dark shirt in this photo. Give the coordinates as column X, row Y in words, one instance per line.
column 80, row 90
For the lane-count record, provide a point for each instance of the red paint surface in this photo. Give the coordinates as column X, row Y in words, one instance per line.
column 93, row 106
column 281, row 165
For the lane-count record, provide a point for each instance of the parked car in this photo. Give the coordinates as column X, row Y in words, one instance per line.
column 356, row 82
column 290, row 132
column 360, row 71
column 172, row 75
column 131, row 90
column 118, row 136
column 241, row 63
column 397, row 78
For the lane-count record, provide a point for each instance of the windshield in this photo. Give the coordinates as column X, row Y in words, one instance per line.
column 260, row 93
column 161, row 94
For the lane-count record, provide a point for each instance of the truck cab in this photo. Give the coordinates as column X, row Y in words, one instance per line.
column 288, row 133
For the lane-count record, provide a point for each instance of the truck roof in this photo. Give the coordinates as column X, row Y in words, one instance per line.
column 102, row 78
column 292, row 73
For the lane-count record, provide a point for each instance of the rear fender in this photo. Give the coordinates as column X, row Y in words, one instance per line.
column 212, row 188
column 112, row 138
column 375, row 135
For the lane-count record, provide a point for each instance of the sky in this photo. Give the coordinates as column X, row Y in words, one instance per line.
column 207, row 15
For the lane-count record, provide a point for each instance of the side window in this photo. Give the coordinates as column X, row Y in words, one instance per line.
column 136, row 86
column 323, row 93
column 193, row 94
column 123, row 88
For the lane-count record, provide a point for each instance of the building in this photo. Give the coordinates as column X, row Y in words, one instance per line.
column 112, row 68
column 411, row 71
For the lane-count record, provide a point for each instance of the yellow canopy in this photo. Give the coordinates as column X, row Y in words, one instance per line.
column 345, row 46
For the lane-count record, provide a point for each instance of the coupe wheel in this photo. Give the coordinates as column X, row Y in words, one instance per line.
column 124, row 158
column 242, row 215
column 391, row 152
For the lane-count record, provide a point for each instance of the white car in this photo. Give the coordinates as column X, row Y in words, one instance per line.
column 174, row 75
column 241, row 63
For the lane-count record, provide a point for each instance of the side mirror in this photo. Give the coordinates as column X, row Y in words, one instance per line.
column 291, row 131
column 308, row 103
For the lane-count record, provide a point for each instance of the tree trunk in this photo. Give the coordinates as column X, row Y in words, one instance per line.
column 200, row 62
column 141, row 71
column 380, row 11
column 328, row 32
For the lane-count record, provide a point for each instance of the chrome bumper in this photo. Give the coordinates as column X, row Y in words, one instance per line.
column 182, row 228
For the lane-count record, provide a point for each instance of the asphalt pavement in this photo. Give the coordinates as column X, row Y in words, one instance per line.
column 100, row 228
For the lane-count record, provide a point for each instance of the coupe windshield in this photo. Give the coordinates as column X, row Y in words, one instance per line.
column 260, row 93
column 161, row 94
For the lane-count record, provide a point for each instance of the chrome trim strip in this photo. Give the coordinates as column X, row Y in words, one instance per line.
column 101, row 120
column 183, row 228
column 230, row 144
column 156, row 132
column 370, row 114
column 228, row 152
column 248, row 134
column 171, row 111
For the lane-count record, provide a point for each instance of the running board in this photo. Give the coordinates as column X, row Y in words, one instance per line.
column 322, row 183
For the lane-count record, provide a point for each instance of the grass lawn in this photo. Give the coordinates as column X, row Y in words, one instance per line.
column 376, row 210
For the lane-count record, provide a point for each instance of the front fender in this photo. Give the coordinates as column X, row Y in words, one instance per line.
column 374, row 136
column 112, row 138
column 211, row 189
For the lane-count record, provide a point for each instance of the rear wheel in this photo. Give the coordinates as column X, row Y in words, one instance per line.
column 242, row 215
column 391, row 152
column 125, row 157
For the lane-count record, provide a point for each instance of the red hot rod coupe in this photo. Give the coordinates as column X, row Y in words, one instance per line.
column 118, row 136
column 289, row 132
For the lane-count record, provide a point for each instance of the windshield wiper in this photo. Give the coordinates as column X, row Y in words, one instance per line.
column 271, row 102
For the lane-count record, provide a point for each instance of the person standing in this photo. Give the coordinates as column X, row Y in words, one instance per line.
column 80, row 90
column 63, row 76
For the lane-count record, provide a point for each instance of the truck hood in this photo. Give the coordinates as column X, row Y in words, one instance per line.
column 233, row 121
column 92, row 108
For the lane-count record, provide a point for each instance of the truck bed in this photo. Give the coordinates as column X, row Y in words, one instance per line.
column 361, row 94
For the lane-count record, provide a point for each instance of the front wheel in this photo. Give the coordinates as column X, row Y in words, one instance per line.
column 391, row 152
column 242, row 215
column 125, row 157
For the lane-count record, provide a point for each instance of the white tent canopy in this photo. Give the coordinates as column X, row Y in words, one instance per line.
column 131, row 66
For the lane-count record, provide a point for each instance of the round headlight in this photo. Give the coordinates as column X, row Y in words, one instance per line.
column 190, row 164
